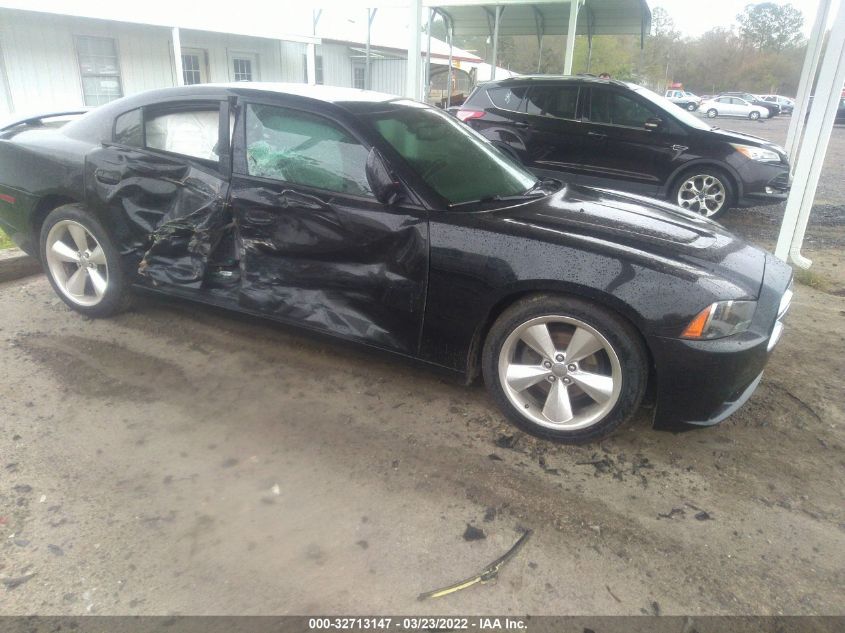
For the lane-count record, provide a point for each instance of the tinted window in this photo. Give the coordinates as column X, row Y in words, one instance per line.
column 559, row 101
column 506, row 98
column 615, row 108
column 454, row 160
column 129, row 129
column 192, row 131
column 304, row 149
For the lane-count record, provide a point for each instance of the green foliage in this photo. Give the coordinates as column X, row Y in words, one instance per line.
column 770, row 26
column 5, row 242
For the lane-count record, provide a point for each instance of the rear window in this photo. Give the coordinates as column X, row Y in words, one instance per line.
column 557, row 101
column 507, row 98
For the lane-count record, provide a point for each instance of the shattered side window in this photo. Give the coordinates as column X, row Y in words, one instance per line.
column 304, row 149
column 191, row 133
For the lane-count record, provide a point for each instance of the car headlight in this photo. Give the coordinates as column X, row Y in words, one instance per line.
column 720, row 319
column 757, row 153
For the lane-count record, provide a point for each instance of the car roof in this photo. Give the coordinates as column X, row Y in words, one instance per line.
column 524, row 80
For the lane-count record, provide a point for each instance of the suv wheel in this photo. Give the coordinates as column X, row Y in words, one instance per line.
column 704, row 190
column 564, row 369
column 691, row 107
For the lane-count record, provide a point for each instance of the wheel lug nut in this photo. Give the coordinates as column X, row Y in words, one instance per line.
column 572, row 367
column 559, row 358
column 547, row 365
column 566, row 381
column 552, row 378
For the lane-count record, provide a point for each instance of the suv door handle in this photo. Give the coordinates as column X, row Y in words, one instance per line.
column 597, row 135
column 520, row 124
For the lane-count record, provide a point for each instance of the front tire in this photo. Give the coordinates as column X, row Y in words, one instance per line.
column 564, row 369
column 711, row 113
column 753, row 115
column 704, row 190
column 691, row 107
column 82, row 262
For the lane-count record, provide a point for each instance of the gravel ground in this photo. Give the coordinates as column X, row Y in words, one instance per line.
column 177, row 459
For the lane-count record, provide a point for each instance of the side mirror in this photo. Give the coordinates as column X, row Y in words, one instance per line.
column 384, row 187
column 653, row 123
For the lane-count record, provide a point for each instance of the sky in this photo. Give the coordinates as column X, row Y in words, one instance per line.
column 292, row 17
column 694, row 17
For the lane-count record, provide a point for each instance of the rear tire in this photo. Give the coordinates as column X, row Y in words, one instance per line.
column 83, row 263
column 712, row 114
column 753, row 115
column 588, row 377
column 691, row 107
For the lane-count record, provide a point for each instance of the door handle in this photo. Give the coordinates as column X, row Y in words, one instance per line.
column 520, row 124
column 597, row 136
column 107, row 177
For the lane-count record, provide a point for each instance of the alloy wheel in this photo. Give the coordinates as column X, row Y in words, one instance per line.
column 702, row 193
column 559, row 372
column 77, row 263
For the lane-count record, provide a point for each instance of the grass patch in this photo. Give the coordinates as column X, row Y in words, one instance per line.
column 814, row 280
column 5, row 242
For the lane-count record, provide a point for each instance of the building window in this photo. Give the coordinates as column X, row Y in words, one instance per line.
column 191, row 69
column 99, row 69
column 242, row 69
column 359, row 74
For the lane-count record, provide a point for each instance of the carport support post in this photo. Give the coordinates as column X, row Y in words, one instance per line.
column 371, row 14
column 412, row 76
column 805, row 85
column 450, row 35
column 570, row 36
column 816, row 139
column 427, row 89
column 177, row 56
column 497, row 16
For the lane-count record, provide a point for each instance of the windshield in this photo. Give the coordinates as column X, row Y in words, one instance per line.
column 670, row 108
column 454, row 160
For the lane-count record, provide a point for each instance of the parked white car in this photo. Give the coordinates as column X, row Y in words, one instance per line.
column 732, row 106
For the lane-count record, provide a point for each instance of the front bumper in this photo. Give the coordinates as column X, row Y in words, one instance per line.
column 701, row 383
column 764, row 184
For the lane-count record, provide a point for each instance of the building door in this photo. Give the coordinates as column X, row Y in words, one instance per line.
column 194, row 66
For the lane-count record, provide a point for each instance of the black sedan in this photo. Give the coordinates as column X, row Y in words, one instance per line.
column 383, row 221
column 618, row 135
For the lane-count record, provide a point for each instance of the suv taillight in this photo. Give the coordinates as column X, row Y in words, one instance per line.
column 466, row 115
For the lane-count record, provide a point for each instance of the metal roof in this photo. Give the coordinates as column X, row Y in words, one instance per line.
column 550, row 17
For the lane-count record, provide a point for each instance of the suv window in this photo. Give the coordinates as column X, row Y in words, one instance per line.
column 507, row 98
column 615, row 108
column 304, row 149
column 190, row 130
column 558, row 101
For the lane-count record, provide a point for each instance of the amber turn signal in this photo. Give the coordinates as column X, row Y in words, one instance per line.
column 696, row 327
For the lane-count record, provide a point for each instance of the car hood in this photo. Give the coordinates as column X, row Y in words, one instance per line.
column 739, row 137
column 655, row 233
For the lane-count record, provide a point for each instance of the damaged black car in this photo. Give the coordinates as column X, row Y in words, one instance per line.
column 387, row 222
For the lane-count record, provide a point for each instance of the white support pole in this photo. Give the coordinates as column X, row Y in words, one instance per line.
column 816, row 139
column 371, row 14
column 496, row 19
column 427, row 85
column 311, row 63
column 570, row 36
column 805, row 85
column 177, row 56
column 451, row 36
column 412, row 78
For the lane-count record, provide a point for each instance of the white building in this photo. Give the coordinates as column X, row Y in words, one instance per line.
column 53, row 61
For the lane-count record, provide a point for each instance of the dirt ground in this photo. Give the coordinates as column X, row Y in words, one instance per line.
column 178, row 459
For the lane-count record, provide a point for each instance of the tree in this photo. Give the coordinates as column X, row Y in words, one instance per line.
column 770, row 26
